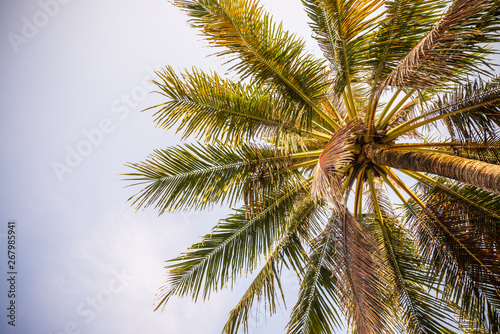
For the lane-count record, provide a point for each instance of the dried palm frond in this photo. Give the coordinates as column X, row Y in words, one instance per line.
column 326, row 183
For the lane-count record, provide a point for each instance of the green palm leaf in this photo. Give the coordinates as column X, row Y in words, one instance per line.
column 479, row 122
column 415, row 291
column 340, row 27
column 314, row 312
column 230, row 250
column 196, row 177
column 488, row 151
column 404, row 24
column 288, row 251
column 217, row 109
column 470, row 112
column 262, row 50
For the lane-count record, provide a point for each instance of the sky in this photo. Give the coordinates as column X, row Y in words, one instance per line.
column 75, row 77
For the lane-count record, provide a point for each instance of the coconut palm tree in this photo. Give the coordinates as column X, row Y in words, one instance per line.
column 314, row 150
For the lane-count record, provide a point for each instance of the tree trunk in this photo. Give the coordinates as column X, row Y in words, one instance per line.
column 477, row 173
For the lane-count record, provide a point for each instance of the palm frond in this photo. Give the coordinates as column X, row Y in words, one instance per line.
column 422, row 311
column 415, row 290
column 472, row 298
column 318, row 292
column 487, row 152
column 471, row 213
column 453, row 48
column 216, row 109
column 334, row 156
column 363, row 274
column 263, row 51
column 471, row 285
column 471, row 196
column 231, row 249
column 470, row 112
column 288, row 251
column 480, row 121
column 404, row 24
column 196, row 177
column 340, row 28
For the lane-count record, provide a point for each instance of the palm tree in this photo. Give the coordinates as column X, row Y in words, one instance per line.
column 313, row 150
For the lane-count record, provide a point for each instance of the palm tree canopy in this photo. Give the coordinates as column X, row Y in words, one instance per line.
column 313, row 150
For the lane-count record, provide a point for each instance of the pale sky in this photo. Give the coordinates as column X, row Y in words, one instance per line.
column 74, row 77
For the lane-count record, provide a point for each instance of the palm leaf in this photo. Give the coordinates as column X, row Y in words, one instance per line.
column 452, row 49
column 334, row 156
column 415, row 292
column 362, row 272
column 288, row 251
column 340, row 28
column 196, row 177
column 217, row 109
column 479, row 122
column 262, row 50
column 313, row 312
column 472, row 286
column 232, row 248
column 470, row 112
column 487, row 152
column 404, row 24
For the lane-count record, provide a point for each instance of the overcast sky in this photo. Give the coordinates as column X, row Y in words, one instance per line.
column 74, row 77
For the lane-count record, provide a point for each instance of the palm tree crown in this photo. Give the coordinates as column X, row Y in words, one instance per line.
column 313, row 150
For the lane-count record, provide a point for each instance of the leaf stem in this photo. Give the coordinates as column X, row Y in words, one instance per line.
column 406, row 127
column 387, row 106
column 384, row 122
